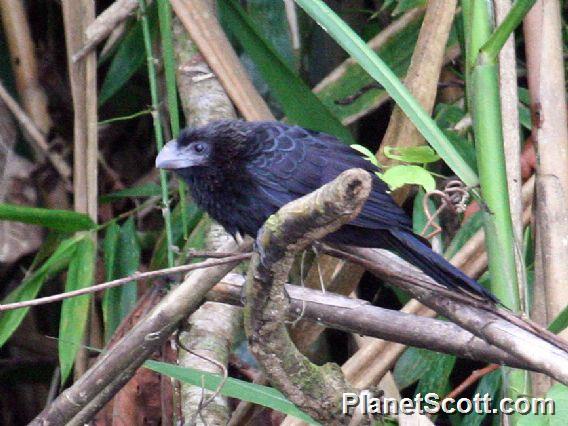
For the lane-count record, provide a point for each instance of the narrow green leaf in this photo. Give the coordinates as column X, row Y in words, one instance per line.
column 146, row 190
column 398, row 176
column 74, row 311
column 109, row 304
column 61, row 220
column 28, row 290
column 367, row 153
column 300, row 105
column 560, row 322
column 369, row 60
column 244, row 391
column 123, row 259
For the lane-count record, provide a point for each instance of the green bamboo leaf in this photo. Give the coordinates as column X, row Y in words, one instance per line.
column 61, row 220
column 245, row 391
column 300, row 105
column 129, row 57
column 560, row 322
column 146, row 190
column 74, row 311
column 369, row 60
column 122, row 258
column 28, row 290
column 398, row 176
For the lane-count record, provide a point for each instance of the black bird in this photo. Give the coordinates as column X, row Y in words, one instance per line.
column 242, row 172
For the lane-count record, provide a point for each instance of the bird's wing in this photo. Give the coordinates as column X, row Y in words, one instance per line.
column 291, row 162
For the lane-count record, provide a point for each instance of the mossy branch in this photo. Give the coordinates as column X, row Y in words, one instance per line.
column 316, row 390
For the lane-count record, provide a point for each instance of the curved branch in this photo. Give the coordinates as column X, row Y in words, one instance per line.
column 315, row 390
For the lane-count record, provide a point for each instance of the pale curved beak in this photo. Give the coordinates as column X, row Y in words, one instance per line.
column 172, row 158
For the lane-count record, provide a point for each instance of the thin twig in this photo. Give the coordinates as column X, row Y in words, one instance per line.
column 121, row 281
column 471, row 379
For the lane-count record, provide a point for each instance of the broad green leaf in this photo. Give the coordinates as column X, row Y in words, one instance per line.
column 271, row 21
column 412, row 154
column 298, row 102
column 61, row 220
column 110, row 245
column 75, row 311
column 411, row 366
column 377, row 68
column 244, row 391
column 146, row 190
column 367, row 153
column 489, row 384
column 557, row 393
column 124, row 253
column 28, row 290
column 129, row 57
column 436, row 377
column 398, row 176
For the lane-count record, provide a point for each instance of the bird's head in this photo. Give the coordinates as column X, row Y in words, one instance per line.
column 204, row 148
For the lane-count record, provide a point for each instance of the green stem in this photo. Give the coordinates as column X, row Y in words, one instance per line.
column 495, row 43
column 165, row 20
column 377, row 69
column 157, row 127
column 484, row 101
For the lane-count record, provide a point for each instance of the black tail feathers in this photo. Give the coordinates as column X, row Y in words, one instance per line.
column 413, row 250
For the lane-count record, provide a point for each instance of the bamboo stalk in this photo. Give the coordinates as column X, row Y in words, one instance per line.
column 546, row 81
column 77, row 15
column 213, row 44
column 157, row 129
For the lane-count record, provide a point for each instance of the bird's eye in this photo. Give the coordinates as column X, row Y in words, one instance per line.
column 199, row 147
